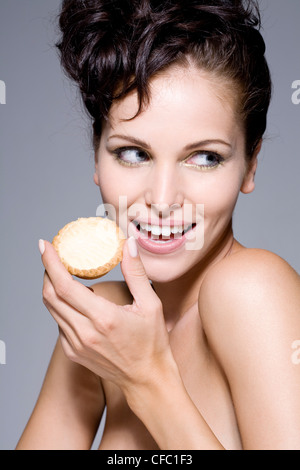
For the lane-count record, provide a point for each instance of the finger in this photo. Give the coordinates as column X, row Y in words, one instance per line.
column 135, row 274
column 71, row 291
column 66, row 344
column 67, row 318
column 64, row 326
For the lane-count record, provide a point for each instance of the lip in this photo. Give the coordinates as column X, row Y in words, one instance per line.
column 158, row 248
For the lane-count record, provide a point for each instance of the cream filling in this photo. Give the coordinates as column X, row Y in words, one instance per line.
column 88, row 246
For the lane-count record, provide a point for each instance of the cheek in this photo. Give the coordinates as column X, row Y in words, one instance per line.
column 220, row 199
column 112, row 183
column 119, row 190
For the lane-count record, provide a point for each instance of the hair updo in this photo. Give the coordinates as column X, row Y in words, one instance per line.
column 112, row 47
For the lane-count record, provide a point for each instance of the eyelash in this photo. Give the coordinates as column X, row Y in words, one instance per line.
column 220, row 160
column 117, row 155
column 117, row 152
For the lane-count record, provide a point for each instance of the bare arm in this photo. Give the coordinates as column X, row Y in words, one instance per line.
column 68, row 410
column 166, row 409
column 129, row 346
column 71, row 402
column 251, row 326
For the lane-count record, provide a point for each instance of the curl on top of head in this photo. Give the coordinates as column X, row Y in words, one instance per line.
column 111, row 47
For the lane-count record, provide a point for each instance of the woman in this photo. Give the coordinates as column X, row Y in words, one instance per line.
column 201, row 357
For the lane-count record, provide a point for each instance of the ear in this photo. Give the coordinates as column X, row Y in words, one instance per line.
column 96, row 174
column 248, row 184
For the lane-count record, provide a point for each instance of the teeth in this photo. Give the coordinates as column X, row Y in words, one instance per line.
column 176, row 230
column 155, row 230
column 165, row 230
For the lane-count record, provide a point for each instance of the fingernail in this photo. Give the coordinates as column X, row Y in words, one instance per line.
column 42, row 246
column 132, row 247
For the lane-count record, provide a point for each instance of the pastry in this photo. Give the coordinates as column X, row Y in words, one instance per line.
column 90, row 247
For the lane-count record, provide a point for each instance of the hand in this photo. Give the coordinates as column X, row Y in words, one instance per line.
column 123, row 344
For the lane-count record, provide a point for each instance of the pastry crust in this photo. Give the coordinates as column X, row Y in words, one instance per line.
column 90, row 247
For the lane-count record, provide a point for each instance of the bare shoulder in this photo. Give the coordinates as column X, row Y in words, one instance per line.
column 250, row 285
column 250, row 273
column 114, row 291
column 249, row 304
column 249, row 260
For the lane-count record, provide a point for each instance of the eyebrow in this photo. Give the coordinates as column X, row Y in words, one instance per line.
column 202, row 143
column 188, row 147
column 131, row 139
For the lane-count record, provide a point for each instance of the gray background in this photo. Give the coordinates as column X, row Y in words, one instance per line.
column 46, row 169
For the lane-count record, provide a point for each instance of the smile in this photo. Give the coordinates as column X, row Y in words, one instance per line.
column 161, row 239
column 164, row 232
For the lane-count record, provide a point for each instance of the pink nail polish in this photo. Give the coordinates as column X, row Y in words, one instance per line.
column 42, row 246
column 132, row 247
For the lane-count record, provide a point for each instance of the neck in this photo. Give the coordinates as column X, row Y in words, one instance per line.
column 180, row 295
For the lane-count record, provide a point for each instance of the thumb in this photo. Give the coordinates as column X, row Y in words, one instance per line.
column 135, row 274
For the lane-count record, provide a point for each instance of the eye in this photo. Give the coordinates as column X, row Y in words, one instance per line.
column 205, row 159
column 131, row 156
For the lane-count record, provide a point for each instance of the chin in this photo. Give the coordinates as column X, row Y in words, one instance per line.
column 164, row 269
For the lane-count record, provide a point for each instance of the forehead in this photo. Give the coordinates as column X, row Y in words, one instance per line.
column 183, row 100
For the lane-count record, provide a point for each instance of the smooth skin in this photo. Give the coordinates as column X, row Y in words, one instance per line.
column 203, row 360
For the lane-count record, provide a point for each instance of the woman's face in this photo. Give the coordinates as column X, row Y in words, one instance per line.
column 178, row 168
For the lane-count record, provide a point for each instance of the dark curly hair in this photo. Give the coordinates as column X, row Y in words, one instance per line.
column 111, row 47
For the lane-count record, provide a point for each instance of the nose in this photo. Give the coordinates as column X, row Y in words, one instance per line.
column 164, row 191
